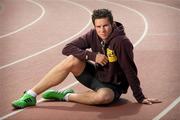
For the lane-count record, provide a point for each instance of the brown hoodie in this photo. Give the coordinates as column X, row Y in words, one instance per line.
column 119, row 50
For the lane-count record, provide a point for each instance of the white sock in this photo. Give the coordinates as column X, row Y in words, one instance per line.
column 32, row 93
column 66, row 97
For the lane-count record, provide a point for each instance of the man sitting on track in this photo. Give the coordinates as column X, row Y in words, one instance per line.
column 112, row 72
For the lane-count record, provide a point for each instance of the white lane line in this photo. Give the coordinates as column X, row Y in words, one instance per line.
column 28, row 25
column 72, row 84
column 165, row 111
column 159, row 4
column 172, row 105
column 41, row 100
column 140, row 14
column 89, row 22
column 75, row 83
column 42, row 51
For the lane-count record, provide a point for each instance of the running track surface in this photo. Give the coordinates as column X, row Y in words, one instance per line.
column 33, row 33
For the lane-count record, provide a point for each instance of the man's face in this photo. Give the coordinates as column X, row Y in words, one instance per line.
column 103, row 27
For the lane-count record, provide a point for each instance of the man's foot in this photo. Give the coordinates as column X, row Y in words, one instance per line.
column 25, row 101
column 56, row 95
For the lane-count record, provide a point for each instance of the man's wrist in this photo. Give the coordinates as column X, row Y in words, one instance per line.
column 90, row 55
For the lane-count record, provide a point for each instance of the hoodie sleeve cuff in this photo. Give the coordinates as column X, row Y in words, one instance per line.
column 90, row 55
column 140, row 98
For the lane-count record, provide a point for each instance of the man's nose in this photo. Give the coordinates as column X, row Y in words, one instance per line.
column 102, row 29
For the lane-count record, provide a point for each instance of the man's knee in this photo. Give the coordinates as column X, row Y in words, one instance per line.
column 75, row 65
column 104, row 96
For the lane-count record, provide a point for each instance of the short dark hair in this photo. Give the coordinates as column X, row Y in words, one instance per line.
column 102, row 13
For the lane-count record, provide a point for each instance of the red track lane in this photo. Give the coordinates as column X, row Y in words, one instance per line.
column 157, row 58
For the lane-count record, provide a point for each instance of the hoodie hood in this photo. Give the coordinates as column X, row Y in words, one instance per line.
column 118, row 29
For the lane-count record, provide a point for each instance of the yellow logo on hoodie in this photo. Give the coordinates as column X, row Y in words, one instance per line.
column 111, row 55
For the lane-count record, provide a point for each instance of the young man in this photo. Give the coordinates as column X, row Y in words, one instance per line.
column 111, row 74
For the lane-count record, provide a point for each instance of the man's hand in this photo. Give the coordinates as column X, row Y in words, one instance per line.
column 150, row 101
column 101, row 59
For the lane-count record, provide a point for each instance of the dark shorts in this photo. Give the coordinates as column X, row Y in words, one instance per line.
column 89, row 79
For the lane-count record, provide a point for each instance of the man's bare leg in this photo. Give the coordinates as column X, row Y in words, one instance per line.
column 59, row 73
column 102, row 96
column 56, row 76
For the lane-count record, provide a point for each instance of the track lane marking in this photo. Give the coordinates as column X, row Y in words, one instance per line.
column 137, row 12
column 166, row 110
column 89, row 22
column 159, row 4
column 75, row 83
column 30, row 24
column 44, row 50
column 41, row 100
column 177, row 100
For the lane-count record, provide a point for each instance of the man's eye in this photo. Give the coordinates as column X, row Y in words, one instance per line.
column 105, row 25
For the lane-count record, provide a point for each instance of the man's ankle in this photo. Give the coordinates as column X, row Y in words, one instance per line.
column 66, row 97
column 32, row 93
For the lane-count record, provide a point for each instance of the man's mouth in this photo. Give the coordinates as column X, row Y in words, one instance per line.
column 103, row 34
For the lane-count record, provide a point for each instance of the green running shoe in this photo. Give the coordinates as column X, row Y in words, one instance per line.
column 25, row 101
column 56, row 95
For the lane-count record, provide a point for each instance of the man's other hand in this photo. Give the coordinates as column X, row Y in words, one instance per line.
column 101, row 59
